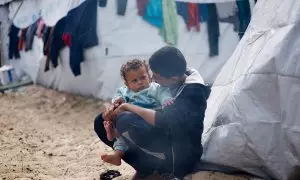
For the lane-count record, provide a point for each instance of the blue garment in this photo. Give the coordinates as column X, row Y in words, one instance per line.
column 203, row 12
column 153, row 97
column 244, row 14
column 154, row 13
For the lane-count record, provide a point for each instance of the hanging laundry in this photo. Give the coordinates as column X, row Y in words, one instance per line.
column 203, row 12
column 121, row 7
column 40, row 27
column 13, row 51
column 67, row 39
column 169, row 31
column 244, row 14
column 57, row 44
column 47, row 49
column 193, row 14
column 213, row 30
column 46, row 34
column 141, row 5
column 102, row 3
column 81, row 24
column 153, row 13
column 22, row 39
column 182, row 10
column 30, row 33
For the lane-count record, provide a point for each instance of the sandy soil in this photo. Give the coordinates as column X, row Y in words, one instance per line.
column 46, row 134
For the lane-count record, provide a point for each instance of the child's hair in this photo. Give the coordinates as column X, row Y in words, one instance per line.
column 168, row 62
column 133, row 65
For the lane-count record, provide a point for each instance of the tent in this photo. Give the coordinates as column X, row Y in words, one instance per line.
column 252, row 120
column 121, row 38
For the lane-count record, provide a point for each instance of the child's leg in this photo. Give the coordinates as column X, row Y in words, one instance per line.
column 120, row 147
column 110, row 131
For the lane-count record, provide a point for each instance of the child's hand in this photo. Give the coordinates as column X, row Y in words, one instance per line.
column 118, row 102
column 168, row 102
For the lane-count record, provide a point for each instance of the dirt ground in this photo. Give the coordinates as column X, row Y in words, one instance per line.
column 45, row 134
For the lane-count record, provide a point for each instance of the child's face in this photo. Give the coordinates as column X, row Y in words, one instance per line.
column 138, row 79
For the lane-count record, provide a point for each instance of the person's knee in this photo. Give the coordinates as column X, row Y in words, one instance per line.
column 124, row 121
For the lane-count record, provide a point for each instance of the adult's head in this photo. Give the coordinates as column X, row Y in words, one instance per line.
column 168, row 66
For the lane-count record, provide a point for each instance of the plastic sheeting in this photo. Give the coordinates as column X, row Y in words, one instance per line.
column 252, row 120
column 123, row 38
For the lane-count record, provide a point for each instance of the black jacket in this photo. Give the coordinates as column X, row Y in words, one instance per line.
column 183, row 121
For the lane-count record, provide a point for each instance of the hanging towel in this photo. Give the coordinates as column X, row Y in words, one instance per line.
column 30, row 33
column 193, row 16
column 244, row 14
column 153, row 13
column 141, row 5
column 213, row 30
column 121, row 7
column 13, row 51
column 169, row 31
column 82, row 26
column 102, row 3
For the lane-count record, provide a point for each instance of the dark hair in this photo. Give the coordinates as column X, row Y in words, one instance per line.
column 133, row 65
column 168, row 62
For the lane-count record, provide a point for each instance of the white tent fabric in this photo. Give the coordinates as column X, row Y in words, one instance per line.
column 125, row 37
column 252, row 119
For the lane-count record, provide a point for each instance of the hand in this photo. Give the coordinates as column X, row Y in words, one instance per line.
column 168, row 103
column 118, row 102
column 119, row 109
column 107, row 114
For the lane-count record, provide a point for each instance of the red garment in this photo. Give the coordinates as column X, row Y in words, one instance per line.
column 21, row 40
column 67, row 39
column 193, row 16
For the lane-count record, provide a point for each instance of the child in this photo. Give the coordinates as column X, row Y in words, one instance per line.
column 140, row 91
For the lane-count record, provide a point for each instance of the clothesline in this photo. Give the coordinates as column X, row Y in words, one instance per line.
column 162, row 14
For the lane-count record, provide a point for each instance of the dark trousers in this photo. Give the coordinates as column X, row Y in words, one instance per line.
column 150, row 148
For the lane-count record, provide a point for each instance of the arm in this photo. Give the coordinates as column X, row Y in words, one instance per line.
column 188, row 108
column 119, row 94
column 147, row 114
